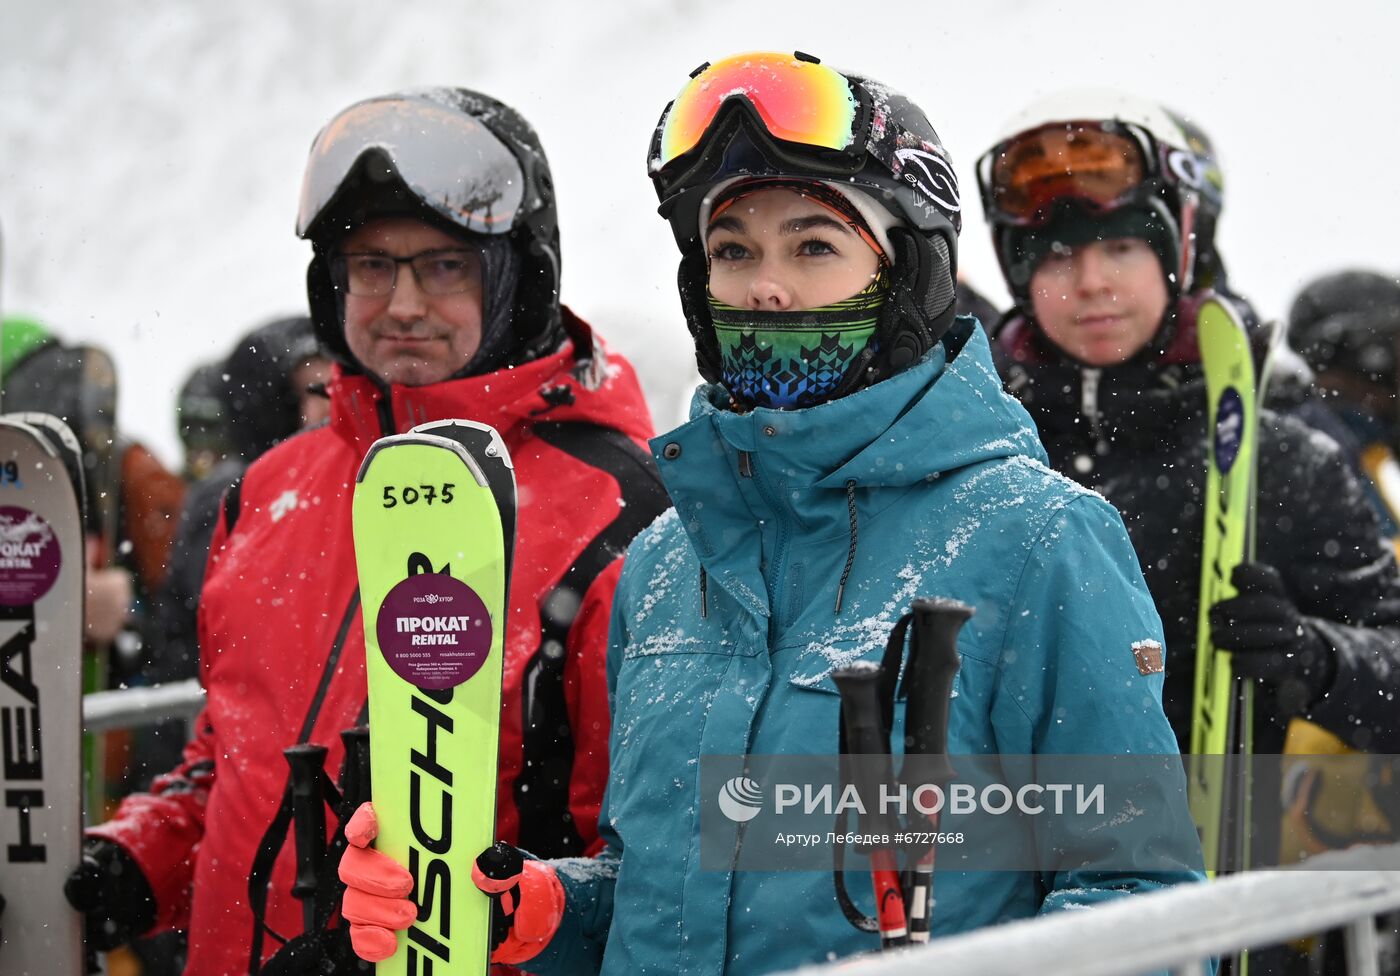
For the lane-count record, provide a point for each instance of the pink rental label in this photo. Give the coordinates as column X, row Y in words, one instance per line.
column 434, row 631
column 29, row 556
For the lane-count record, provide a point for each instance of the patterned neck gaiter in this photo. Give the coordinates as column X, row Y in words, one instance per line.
column 795, row 359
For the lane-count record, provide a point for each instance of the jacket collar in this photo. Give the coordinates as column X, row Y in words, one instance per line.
column 805, row 467
column 934, row 417
column 561, row 387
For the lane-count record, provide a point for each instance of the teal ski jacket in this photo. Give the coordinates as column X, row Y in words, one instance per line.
column 725, row 633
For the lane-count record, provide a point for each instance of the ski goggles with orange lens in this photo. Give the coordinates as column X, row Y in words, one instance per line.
column 795, row 99
column 1101, row 164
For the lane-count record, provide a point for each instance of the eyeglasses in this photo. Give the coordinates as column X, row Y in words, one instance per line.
column 437, row 272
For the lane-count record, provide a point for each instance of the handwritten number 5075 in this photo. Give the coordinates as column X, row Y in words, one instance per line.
column 413, row 494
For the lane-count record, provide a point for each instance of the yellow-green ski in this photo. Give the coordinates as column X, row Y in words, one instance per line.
column 1223, row 705
column 434, row 529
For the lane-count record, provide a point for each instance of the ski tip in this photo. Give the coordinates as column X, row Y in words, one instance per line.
column 422, row 440
column 472, row 435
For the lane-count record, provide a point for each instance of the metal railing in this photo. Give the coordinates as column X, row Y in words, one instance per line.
column 1175, row 930
column 130, row 707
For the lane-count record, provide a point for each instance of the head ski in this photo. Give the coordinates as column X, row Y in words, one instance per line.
column 41, row 628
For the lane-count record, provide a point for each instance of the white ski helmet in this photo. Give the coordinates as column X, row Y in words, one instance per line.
column 1099, row 151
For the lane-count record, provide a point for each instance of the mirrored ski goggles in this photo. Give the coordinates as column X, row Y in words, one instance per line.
column 797, row 100
column 448, row 159
column 1103, row 164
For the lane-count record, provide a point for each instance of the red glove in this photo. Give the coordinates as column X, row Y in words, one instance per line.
column 527, row 902
column 376, row 902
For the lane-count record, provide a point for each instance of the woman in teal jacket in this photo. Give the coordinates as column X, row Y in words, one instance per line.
column 852, row 451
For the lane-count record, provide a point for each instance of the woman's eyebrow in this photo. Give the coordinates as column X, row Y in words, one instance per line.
column 728, row 223
column 798, row 225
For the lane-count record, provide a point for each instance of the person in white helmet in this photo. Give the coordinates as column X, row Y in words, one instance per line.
column 1103, row 209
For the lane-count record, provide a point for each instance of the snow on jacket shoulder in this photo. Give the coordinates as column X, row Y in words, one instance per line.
column 725, row 635
column 283, row 645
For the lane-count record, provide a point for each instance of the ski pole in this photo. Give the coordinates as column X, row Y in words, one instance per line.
column 307, row 761
column 354, row 772
column 354, row 790
column 928, row 686
column 867, row 740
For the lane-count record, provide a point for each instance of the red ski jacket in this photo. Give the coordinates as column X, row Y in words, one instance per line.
column 282, row 640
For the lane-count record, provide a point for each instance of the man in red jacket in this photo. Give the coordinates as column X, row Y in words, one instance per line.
column 434, row 283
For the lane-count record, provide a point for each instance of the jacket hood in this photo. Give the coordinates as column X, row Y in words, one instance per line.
column 580, row 383
column 742, row 483
column 945, row 412
column 261, row 404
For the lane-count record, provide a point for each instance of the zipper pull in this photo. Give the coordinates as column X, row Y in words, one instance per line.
column 1089, row 404
column 745, row 465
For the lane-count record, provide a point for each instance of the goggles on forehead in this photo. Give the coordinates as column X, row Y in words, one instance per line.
column 795, row 100
column 446, row 158
column 1101, row 164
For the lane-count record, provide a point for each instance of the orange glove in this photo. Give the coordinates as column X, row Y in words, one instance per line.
column 527, row 902
column 376, row 902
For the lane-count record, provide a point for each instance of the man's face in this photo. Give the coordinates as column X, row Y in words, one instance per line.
column 408, row 336
column 1100, row 302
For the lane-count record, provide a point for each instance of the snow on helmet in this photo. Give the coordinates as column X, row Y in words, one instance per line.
column 1097, row 152
column 464, row 162
column 772, row 114
column 1348, row 321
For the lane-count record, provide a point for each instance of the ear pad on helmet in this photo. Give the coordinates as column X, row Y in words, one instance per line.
column 327, row 306
column 693, row 279
column 920, row 304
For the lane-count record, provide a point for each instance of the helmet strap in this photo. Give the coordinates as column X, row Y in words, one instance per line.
column 1190, row 203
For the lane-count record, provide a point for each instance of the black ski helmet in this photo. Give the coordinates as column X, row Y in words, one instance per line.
column 261, row 406
column 199, row 414
column 1348, row 321
column 462, row 161
column 892, row 154
column 1181, row 190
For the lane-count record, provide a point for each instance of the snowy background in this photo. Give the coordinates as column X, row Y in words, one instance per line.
column 151, row 151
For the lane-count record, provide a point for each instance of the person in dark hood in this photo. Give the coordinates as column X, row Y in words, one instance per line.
column 433, row 285
column 259, row 390
column 1103, row 210
column 1346, row 325
column 230, row 413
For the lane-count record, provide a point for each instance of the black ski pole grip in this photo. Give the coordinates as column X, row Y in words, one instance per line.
column 354, row 771
column 501, row 862
column 867, row 740
column 928, row 687
column 307, row 761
